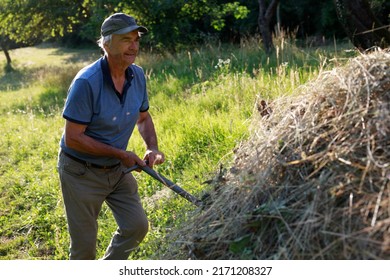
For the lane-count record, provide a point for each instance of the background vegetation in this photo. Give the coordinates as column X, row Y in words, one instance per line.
column 176, row 25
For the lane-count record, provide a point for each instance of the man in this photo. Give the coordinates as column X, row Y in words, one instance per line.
column 105, row 101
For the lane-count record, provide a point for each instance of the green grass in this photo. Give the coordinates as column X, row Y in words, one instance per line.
column 201, row 101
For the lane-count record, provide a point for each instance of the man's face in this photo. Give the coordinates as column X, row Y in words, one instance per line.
column 124, row 47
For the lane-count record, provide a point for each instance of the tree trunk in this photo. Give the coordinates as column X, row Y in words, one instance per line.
column 4, row 48
column 8, row 57
column 361, row 26
column 264, row 21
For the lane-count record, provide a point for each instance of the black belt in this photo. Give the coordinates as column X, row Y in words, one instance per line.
column 89, row 164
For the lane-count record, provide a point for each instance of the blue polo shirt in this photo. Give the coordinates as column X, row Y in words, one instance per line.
column 110, row 117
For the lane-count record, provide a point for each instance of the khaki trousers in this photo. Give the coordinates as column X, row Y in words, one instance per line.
column 84, row 190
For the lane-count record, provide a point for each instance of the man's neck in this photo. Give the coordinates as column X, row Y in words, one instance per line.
column 116, row 69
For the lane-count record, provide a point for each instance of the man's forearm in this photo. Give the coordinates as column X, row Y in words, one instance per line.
column 88, row 145
column 148, row 133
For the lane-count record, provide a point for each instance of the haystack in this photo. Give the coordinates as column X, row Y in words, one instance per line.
column 312, row 182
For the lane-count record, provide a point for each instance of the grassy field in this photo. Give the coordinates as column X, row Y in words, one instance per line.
column 201, row 100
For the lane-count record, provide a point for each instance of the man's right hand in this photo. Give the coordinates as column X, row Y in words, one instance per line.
column 130, row 159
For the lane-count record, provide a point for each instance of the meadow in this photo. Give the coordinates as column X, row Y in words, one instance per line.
column 202, row 101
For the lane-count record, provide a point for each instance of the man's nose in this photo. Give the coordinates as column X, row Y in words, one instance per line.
column 133, row 45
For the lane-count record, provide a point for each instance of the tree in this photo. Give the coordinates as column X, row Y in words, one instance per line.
column 180, row 22
column 4, row 46
column 264, row 20
column 27, row 22
column 361, row 26
column 6, row 43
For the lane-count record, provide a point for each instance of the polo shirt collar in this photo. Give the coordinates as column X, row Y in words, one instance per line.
column 107, row 76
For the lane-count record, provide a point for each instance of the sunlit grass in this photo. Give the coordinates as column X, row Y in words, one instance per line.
column 49, row 55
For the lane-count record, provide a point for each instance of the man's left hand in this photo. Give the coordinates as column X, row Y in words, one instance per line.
column 154, row 157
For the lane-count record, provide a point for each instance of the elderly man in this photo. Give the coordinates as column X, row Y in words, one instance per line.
column 105, row 101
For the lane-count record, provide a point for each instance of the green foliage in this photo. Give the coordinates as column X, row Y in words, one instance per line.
column 93, row 15
column 217, row 12
column 30, row 21
column 173, row 24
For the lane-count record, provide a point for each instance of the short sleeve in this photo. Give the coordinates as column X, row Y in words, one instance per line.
column 145, row 100
column 79, row 103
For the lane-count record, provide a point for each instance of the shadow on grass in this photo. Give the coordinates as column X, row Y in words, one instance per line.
column 84, row 55
column 49, row 102
column 12, row 79
column 15, row 77
column 52, row 100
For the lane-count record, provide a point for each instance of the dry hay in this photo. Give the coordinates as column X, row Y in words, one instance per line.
column 313, row 180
